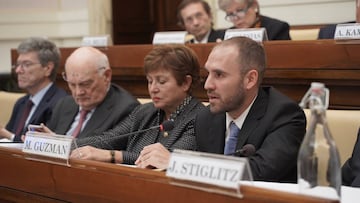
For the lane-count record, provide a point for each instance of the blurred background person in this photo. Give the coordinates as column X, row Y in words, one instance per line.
column 36, row 68
column 172, row 72
column 196, row 18
column 96, row 104
column 350, row 171
column 246, row 14
column 328, row 32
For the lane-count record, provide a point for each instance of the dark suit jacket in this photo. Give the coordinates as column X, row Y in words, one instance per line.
column 328, row 32
column 351, row 168
column 117, row 105
column 275, row 125
column 42, row 113
column 275, row 29
column 216, row 34
column 143, row 117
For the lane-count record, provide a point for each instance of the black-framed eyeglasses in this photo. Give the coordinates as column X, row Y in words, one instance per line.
column 24, row 65
column 239, row 13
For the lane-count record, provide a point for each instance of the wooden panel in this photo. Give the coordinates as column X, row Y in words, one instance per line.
column 89, row 181
column 136, row 21
column 133, row 21
column 292, row 66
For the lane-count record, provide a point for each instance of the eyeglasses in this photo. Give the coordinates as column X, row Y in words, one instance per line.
column 24, row 65
column 238, row 14
column 63, row 74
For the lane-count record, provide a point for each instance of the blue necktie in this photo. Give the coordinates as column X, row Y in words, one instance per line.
column 230, row 145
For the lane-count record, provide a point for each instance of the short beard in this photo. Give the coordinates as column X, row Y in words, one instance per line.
column 232, row 104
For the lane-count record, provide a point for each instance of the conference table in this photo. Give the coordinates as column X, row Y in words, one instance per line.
column 27, row 180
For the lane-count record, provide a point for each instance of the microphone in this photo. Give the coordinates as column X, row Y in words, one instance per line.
column 164, row 127
column 167, row 125
column 246, row 151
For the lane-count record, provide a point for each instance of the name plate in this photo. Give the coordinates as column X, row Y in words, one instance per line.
column 347, row 31
column 49, row 145
column 97, row 41
column 219, row 170
column 172, row 37
column 256, row 34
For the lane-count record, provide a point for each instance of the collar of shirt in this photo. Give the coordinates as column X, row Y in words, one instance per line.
column 239, row 121
column 36, row 99
column 204, row 40
column 77, row 119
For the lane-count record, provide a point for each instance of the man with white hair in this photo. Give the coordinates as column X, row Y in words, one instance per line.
column 96, row 105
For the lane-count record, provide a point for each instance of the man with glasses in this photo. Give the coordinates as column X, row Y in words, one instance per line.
column 36, row 68
column 246, row 14
column 195, row 16
column 96, row 105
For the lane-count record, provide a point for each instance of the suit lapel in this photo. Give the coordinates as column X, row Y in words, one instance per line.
column 44, row 103
column 68, row 118
column 180, row 120
column 251, row 122
column 99, row 116
column 216, row 133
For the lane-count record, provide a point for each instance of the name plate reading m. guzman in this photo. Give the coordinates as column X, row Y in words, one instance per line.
column 49, row 145
column 347, row 31
column 256, row 34
column 171, row 37
column 219, row 170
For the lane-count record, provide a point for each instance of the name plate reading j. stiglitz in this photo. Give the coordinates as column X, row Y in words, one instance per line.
column 49, row 145
column 219, row 170
column 256, row 34
column 347, row 31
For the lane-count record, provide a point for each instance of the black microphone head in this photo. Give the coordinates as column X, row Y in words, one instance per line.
column 248, row 150
column 167, row 125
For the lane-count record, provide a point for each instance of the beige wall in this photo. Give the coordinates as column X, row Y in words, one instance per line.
column 67, row 21
column 63, row 21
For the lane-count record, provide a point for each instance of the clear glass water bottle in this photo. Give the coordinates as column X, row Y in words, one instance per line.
column 319, row 169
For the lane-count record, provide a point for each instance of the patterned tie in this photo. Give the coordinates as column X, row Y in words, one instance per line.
column 21, row 124
column 77, row 130
column 230, row 145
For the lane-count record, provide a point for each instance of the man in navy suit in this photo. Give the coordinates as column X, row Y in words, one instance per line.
column 265, row 119
column 351, row 169
column 195, row 16
column 36, row 69
column 328, row 32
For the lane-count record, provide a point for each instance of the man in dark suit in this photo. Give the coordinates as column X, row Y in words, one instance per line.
column 351, row 169
column 246, row 14
column 242, row 113
column 195, row 16
column 328, row 32
column 88, row 74
column 36, row 69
